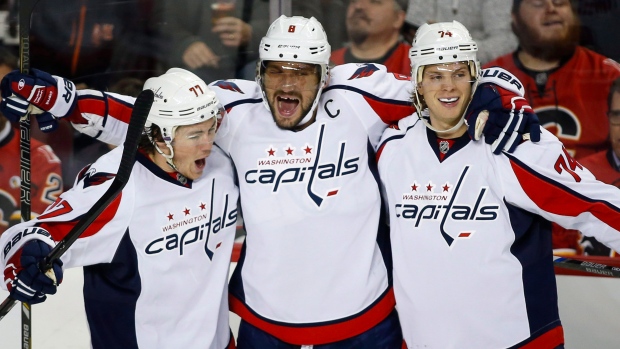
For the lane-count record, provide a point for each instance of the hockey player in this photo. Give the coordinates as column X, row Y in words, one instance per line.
column 315, row 269
column 156, row 261
column 470, row 231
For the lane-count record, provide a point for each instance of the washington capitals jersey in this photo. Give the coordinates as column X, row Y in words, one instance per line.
column 46, row 181
column 571, row 100
column 156, row 261
column 313, row 269
column 471, row 239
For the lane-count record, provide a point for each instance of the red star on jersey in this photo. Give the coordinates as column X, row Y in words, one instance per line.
column 446, row 187
column 414, row 187
column 429, row 187
column 186, row 210
column 271, row 152
column 202, row 206
column 308, row 150
column 289, row 151
column 170, row 216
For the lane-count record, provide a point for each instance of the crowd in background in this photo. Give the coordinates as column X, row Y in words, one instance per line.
column 564, row 53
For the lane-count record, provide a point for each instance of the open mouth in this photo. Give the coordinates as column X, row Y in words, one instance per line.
column 287, row 106
column 200, row 164
column 449, row 102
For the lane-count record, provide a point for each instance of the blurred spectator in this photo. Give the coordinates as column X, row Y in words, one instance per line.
column 374, row 28
column 93, row 41
column 605, row 165
column 207, row 37
column 566, row 84
column 224, row 44
column 46, row 183
column 600, row 26
column 488, row 22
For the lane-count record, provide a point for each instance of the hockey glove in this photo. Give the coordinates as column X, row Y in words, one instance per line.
column 49, row 97
column 500, row 113
column 24, row 280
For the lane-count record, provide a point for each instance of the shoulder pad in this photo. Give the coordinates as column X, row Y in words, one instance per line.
column 229, row 91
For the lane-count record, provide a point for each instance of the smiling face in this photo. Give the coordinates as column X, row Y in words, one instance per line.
column 446, row 91
column 546, row 29
column 192, row 145
column 290, row 89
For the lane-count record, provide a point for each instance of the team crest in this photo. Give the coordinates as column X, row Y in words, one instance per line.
column 364, row 71
column 227, row 85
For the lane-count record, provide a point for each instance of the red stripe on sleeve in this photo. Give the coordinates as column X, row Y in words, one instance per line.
column 390, row 112
column 118, row 110
column 558, row 201
column 59, row 230
column 91, row 106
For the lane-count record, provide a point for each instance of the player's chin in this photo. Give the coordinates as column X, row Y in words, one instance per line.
column 287, row 122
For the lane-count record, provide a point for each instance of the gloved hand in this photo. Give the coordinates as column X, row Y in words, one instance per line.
column 500, row 113
column 26, row 283
column 46, row 96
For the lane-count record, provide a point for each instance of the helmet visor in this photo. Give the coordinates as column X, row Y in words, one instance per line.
column 436, row 76
column 290, row 76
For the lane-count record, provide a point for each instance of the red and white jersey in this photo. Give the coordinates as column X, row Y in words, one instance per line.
column 471, row 235
column 156, row 261
column 313, row 267
column 571, row 100
column 46, row 181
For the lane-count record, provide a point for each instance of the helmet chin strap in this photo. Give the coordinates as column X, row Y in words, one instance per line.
column 166, row 156
column 426, row 113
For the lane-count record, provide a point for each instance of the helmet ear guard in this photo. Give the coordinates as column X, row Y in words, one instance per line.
column 439, row 43
column 297, row 40
column 181, row 99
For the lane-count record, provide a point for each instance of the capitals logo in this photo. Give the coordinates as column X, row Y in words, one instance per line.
column 227, row 85
column 442, row 206
column 202, row 227
column 364, row 71
column 91, row 177
column 313, row 172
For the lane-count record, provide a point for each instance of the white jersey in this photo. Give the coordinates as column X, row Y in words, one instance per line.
column 314, row 255
column 315, row 266
column 471, row 237
column 156, row 261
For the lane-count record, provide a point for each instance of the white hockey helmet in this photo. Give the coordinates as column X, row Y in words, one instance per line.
column 181, row 98
column 295, row 39
column 437, row 43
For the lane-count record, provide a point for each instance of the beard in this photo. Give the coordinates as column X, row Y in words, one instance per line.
column 547, row 50
column 358, row 33
column 289, row 123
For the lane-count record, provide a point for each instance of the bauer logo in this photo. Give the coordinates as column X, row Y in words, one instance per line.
column 193, row 229
column 21, row 84
column 444, row 207
column 304, row 169
column 22, row 235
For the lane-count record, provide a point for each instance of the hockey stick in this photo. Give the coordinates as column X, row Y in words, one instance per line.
column 588, row 267
column 138, row 117
column 25, row 11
